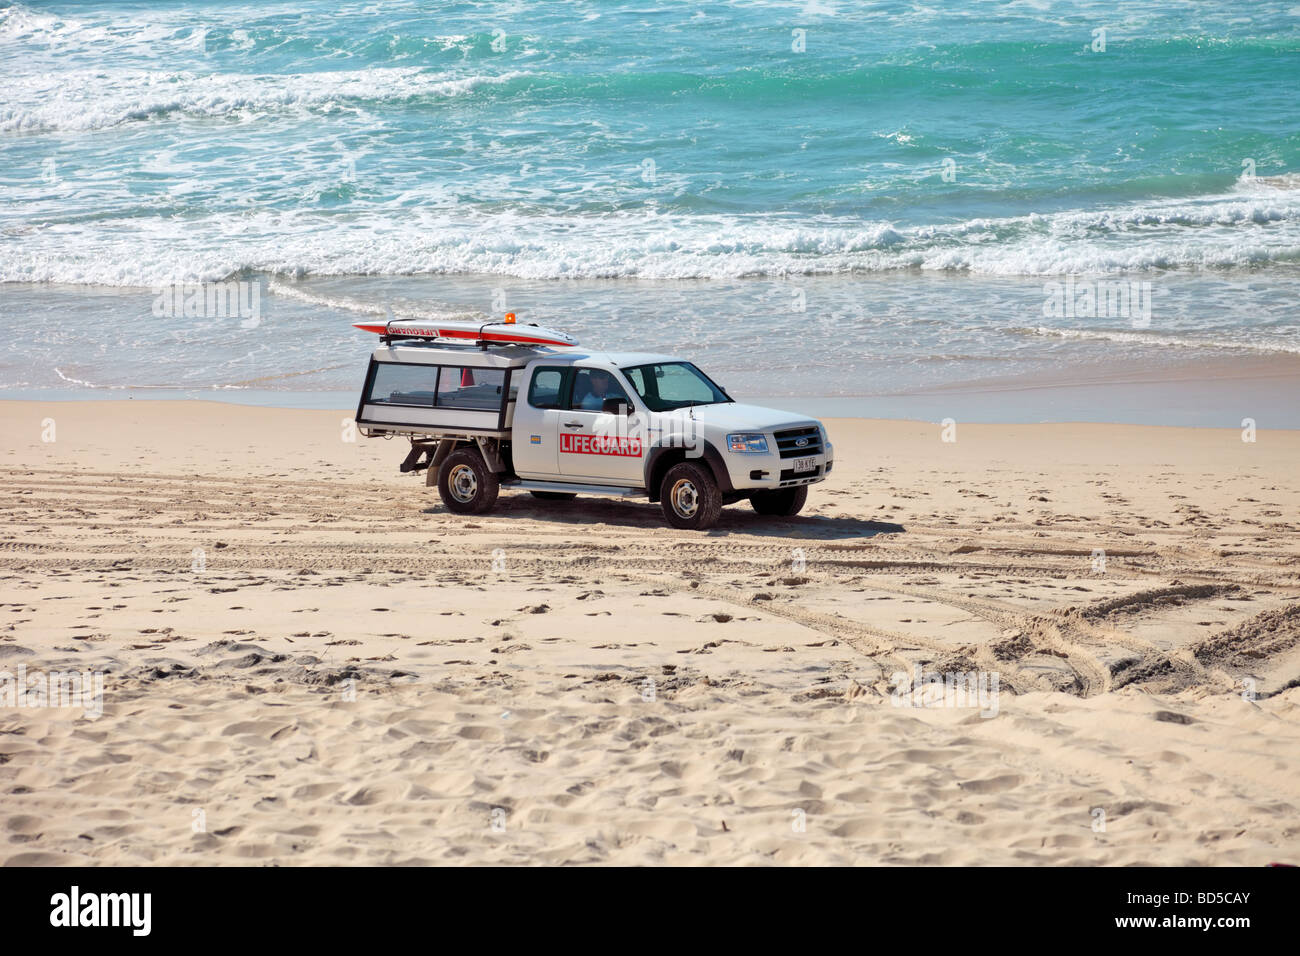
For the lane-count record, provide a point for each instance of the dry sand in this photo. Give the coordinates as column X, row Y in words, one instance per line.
column 353, row 675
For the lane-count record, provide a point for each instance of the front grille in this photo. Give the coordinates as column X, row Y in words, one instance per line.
column 787, row 441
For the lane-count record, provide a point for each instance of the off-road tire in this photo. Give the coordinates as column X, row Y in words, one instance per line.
column 690, row 497
column 554, row 495
column 466, row 483
column 785, row 501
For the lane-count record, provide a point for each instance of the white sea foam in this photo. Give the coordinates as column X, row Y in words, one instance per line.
column 1156, row 339
column 97, row 99
column 368, row 306
column 19, row 23
column 1214, row 233
column 1253, row 184
column 29, row 33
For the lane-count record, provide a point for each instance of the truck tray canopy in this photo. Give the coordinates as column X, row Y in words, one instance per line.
column 415, row 388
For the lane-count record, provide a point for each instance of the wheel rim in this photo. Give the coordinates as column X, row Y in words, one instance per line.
column 685, row 499
column 463, row 483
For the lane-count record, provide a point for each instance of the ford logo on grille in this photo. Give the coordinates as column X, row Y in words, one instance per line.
column 801, row 442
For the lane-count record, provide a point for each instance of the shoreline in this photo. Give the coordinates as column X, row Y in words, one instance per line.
column 896, row 347
column 1206, row 394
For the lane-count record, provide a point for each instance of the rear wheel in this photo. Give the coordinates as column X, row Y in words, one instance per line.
column 554, row 495
column 786, row 501
column 690, row 497
column 466, row 484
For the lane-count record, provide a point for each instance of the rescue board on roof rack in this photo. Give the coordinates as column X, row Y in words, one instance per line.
column 508, row 332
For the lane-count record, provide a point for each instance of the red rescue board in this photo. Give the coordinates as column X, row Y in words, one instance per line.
column 499, row 333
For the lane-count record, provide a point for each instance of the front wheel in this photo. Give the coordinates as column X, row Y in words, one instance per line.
column 466, row 484
column 690, row 497
column 786, row 501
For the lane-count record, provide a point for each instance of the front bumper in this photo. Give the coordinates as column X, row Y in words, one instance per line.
column 749, row 472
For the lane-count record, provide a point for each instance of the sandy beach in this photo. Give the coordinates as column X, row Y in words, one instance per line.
column 306, row 659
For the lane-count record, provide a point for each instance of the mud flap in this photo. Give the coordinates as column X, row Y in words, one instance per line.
column 445, row 448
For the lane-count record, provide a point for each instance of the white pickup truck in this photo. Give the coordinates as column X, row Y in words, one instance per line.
column 525, row 408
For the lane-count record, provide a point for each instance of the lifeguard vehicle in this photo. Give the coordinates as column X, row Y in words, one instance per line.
column 515, row 406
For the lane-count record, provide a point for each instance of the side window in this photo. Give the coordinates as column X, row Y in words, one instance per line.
column 437, row 386
column 471, row 387
column 448, row 384
column 546, row 388
column 403, row 384
column 592, row 386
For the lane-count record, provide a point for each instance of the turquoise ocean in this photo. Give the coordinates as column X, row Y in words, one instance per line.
column 866, row 203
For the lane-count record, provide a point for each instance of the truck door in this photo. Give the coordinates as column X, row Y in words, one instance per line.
column 536, row 427
column 596, row 446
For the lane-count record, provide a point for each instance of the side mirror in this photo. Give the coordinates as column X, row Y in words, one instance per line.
column 614, row 406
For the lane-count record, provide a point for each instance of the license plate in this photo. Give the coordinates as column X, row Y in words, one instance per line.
column 804, row 464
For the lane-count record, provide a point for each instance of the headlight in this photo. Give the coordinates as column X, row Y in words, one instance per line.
column 747, row 444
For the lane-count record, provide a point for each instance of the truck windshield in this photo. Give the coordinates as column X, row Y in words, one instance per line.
column 664, row 386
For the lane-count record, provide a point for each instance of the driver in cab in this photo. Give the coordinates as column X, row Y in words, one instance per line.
column 599, row 385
